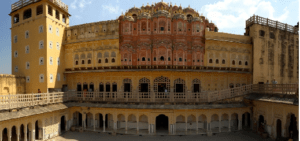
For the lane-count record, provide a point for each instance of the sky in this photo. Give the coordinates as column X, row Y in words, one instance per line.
column 229, row 15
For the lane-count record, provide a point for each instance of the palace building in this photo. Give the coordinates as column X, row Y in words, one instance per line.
column 156, row 69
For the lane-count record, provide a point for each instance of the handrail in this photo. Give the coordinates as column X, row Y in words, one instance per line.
column 8, row 102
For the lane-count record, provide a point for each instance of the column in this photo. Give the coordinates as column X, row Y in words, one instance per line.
column 103, row 122
column 126, row 126
column 1, row 130
column 25, row 132
column 32, row 134
column 137, row 125
column 94, row 122
column 18, row 133
column 149, row 127
column 220, row 124
column 9, row 134
column 229, row 121
column 185, row 124
column 240, row 123
column 197, row 126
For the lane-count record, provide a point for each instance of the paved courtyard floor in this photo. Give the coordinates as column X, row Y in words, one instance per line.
column 93, row 136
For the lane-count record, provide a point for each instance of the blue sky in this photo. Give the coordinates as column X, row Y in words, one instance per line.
column 228, row 15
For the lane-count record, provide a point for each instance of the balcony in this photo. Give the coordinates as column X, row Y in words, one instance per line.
column 9, row 102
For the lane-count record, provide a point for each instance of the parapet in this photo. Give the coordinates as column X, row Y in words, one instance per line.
column 22, row 3
column 211, row 35
column 275, row 24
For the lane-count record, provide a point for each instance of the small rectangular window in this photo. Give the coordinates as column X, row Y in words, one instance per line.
column 41, row 44
column 162, row 29
column 41, row 29
column 27, row 79
column 15, row 39
column 26, row 49
column 26, row 34
column 50, row 44
column 261, row 33
column 58, row 61
column 41, row 61
column 51, row 61
column 50, row 29
column 16, row 54
column 57, row 31
column 272, row 35
column 51, row 78
column 27, row 65
column 57, row 46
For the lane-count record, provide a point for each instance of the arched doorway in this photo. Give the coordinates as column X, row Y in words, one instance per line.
column 246, row 120
column 77, row 119
column 36, row 130
column 292, row 127
column 22, row 134
column 162, row 123
column 62, row 124
column 4, row 134
column 14, row 133
column 29, row 125
column 88, row 120
column 261, row 121
column 278, row 128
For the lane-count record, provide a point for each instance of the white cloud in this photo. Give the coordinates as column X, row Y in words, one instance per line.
column 80, row 3
column 231, row 13
column 112, row 9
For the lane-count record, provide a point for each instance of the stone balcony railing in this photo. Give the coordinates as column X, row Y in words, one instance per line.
column 22, row 3
column 275, row 24
column 157, row 67
column 9, row 102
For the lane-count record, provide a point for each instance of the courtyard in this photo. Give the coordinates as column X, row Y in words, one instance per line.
column 94, row 136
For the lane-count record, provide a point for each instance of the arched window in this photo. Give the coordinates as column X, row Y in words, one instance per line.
column 217, row 61
column 39, row 10
column 106, row 60
column 99, row 55
column 89, row 62
column 57, row 14
column 113, row 60
column 99, row 61
column 210, row 61
column 162, row 58
column 16, row 18
column 106, row 54
column 154, row 59
column 50, row 11
column 223, row 61
column 27, row 14
column 82, row 62
column 240, row 62
column 76, row 62
column 143, row 59
column 233, row 62
column 148, row 59
column 180, row 59
column 169, row 59
column 246, row 63
column 113, row 54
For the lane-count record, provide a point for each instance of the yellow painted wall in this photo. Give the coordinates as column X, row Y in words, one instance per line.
column 209, row 80
column 11, row 84
column 32, row 25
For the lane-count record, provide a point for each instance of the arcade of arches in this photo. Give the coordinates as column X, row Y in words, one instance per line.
column 263, row 117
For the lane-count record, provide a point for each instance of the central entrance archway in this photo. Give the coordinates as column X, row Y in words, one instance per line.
column 162, row 123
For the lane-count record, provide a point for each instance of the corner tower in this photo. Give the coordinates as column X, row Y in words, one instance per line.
column 37, row 28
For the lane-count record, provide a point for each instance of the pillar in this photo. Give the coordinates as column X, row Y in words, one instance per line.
column 137, row 125
column 240, row 123
column 104, row 122
column 126, row 126
column 25, row 132
column 32, row 134
column 18, row 133
column 83, row 121
column 220, row 124
column 9, row 134
column 94, row 121
column 229, row 126
column 1, row 130
column 197, row 126
column 148, row 127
